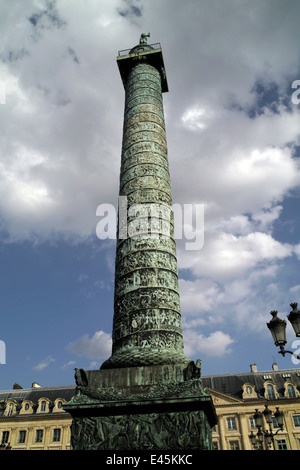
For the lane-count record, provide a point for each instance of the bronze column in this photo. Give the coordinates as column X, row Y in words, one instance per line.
column 148, row 395
column 147, row 321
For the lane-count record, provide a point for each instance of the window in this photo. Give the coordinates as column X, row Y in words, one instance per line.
column 43, row 406
column 22, row 436
column 59, row 404
column 291, row 391
column 274, row 422
column 39, row 435
column 234, row 445
column 270, row 392
column 215, row 446
column 5, row 436
column 252, row 423
column 249, row 390
column 281, row 444
column 56, row 435
column 10, row 409
column 231, row 424
column 26, row 407
column 296, row 419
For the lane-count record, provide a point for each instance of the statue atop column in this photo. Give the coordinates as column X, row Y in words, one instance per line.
column 143, row 38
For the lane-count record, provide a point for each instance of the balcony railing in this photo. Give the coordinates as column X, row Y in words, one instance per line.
column 127, row 51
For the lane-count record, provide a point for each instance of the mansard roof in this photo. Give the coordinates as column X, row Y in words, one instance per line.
column 65, row 392
column 232, row 384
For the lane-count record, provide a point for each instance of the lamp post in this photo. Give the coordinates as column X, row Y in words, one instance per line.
column 5, row 446
column 264, row 439
column 277, row 327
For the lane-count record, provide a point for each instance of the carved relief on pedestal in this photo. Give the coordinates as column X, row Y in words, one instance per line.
column 168, row 430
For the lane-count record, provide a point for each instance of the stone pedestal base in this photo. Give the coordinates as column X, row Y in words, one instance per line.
column 142, row 408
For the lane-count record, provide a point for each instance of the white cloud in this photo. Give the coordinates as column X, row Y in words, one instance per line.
column 225, row 256
column 265, row 218
column 238, row 301
column 96, row 347
column 295, row 288
column 68, row 364
column 62, row 127
column 44, row 363
column 216, row 344
column 197, row 296
column 297, row 250
column 196, row 118
column 57, row 110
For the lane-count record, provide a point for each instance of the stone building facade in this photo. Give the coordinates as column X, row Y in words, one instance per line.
column 237, row 397
column 34, row 418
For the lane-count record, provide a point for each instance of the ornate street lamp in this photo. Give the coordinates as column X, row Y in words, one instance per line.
column 279, row 417
column 5, row 446
column 277, row 327
column 257, row 440
column 294, row 318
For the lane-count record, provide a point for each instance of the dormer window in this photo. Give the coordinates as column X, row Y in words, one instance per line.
column 249, row 391
column 26, row 407
column 43, row 405
column 291, row 391
column 58, row 405
column 270, row 392
column 10, row 409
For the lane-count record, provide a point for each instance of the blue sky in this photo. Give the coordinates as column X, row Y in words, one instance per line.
column 233, row 144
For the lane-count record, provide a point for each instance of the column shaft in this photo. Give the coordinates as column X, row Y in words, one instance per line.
column 147, row 320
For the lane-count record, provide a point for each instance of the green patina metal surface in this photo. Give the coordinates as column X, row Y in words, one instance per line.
column 147, row 320
column 148, row 394
column 165, row 431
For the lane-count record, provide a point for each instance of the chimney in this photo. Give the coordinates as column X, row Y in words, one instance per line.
column 275, row 366
column 253, row 367
column 16, row 386
column 35, row 385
